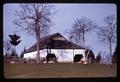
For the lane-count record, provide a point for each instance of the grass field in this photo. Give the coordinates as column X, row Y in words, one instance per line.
column 58, row 70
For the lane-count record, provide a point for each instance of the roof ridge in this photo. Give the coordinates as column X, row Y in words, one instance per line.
column 50, row 35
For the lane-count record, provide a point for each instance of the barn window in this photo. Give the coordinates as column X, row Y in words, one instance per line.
column 58, row 38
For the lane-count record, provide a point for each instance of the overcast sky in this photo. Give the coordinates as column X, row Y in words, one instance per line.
column 63, row 19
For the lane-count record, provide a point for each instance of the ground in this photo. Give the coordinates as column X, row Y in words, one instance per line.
column 59, row 70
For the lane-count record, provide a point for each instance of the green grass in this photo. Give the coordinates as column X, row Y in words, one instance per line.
column 58, row 70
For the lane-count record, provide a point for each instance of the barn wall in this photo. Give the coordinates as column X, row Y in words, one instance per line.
column 63, row 55
column 32, row 55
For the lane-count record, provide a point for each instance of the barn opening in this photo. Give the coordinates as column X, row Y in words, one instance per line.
column 51, row 57
column 78, row 57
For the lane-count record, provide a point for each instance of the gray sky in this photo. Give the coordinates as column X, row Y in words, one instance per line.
column 63, row 19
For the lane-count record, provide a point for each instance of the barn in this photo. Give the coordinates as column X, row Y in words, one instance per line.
column 64, row 50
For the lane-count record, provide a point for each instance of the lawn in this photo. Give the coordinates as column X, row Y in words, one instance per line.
column 59, row 70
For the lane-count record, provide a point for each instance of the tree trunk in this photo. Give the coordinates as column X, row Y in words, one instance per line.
column 14, row 53
column 73, row 55
column 37, row 29
column 110, row 52
column 83, row 38
column 38, row 47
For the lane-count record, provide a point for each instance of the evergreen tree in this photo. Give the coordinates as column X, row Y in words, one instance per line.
column 14, row 40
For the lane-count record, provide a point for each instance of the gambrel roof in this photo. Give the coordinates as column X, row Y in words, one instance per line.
column 54, row 41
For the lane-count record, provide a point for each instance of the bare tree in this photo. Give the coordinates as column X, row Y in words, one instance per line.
column 107, row 33
column 114, row 56
column 99, row 58
column 73, row 37
column 22, row 53
column 7, row 47
column 34, row 19
column 79, row 28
